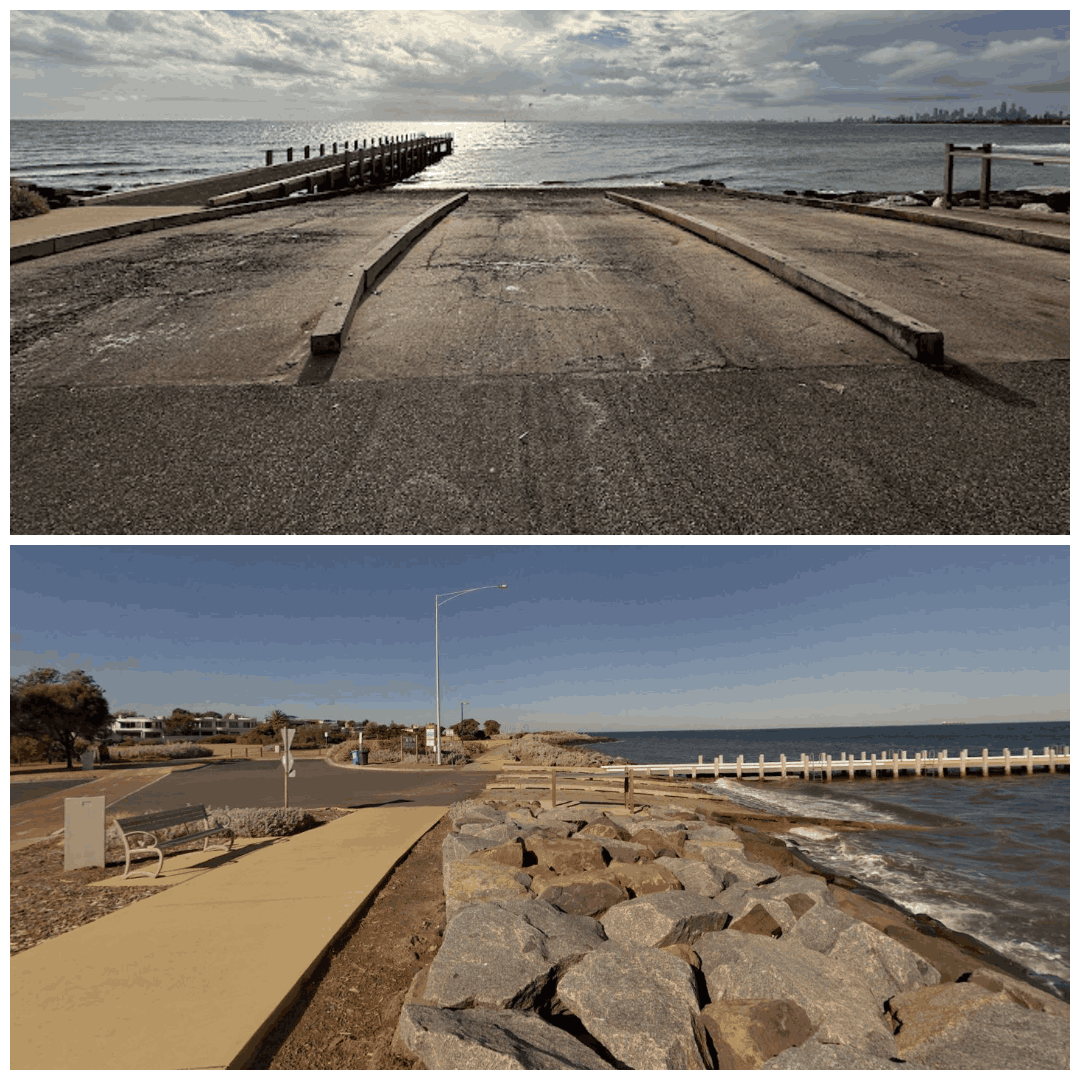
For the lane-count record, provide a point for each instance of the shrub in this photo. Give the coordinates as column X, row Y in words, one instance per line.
column 168, row 752
column 26, row 203
column 219, row 739
column 25, row 748
column 262, row 820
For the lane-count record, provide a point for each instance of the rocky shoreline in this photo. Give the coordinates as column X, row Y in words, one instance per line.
column 680, row 936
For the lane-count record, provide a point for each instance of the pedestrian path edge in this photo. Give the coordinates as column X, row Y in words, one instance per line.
column 194, row 977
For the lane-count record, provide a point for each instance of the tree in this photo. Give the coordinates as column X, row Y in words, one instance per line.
column 59, row 708
column 277, row 720
column 491, row 728
column 180, row 722
column 466, row 729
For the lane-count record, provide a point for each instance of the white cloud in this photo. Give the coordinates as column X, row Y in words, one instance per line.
column 1006, row 50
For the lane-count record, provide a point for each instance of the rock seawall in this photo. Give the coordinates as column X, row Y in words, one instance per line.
column 587, row 937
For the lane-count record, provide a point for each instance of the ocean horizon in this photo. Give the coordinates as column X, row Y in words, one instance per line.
column 769, row 156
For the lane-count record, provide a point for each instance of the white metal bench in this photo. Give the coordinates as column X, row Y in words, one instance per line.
column 139, row 835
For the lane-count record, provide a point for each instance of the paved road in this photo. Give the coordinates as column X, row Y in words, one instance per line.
column 260, row 783
column 36, row 789
column 539, row 363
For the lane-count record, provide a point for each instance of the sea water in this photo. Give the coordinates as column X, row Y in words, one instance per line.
column 763, row 156
column 990, row 857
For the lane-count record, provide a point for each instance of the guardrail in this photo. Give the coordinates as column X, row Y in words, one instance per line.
column 986, row 155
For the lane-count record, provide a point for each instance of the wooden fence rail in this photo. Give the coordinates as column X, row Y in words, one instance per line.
column 826, row 766
column 986, row 155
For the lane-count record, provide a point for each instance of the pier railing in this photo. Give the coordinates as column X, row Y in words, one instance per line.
column 986, row 155
column 876, row 766
column 385, row 161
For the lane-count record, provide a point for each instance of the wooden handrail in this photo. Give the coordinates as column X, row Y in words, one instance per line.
column 986, row 154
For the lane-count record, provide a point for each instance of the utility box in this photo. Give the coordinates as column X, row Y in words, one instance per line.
column 84, row 832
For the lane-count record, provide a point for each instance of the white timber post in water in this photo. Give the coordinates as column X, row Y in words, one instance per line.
column 985, row 763
column 738, row 767
column 1052, row 755
column 1008, row 761
column 783, row 766
column 761, row 767
column 873, row 766
column 895, row 766
column 805, row 767
column 1028, row 762
column 963, row 762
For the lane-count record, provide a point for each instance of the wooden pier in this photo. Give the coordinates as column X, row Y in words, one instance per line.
column 877, row 766
column 386, row 161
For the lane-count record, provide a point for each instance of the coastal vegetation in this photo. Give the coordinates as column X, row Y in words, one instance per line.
column 26, row 203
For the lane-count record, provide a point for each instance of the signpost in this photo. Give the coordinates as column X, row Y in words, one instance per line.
column 287, row 761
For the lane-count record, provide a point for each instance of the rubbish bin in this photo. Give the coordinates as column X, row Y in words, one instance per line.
column 362, row 754
column 355, row 755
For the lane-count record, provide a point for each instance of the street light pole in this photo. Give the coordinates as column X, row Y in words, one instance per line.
column 443, row 598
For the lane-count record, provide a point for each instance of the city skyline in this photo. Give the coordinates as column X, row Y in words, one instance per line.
column 594, row 638
column 475, row 65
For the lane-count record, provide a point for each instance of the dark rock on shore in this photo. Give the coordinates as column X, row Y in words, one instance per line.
column 705, row 956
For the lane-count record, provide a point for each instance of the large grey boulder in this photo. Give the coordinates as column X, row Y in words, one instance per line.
column 504, row 954
column 831, row 1056
column 700, row 830
column 820, row 927
column 664, row 918
column 967, row 1026
column 461, row 846
column 746, row 1033
column 799, row 884
column 484, row 1039
column 627, row 851
column 836, row 995
column 696, row 877
column 584, row 897
column 467, row 881
column 473, row 811
column 640, row 1004
column 566, row 856
column 731, row 864
column 500, row 832
column 890, row 968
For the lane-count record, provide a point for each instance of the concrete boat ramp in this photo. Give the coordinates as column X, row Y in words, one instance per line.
column 538, row 361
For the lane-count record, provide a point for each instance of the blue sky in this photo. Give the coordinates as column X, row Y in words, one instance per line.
column 588, row 637
column 423, row 66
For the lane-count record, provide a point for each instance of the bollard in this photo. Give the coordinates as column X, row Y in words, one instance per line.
column 334, row 145
column 307, row 151
column 288, row 154
column 322, row 149
column 269, row 157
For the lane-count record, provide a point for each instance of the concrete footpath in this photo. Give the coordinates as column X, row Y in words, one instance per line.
column 194, row 977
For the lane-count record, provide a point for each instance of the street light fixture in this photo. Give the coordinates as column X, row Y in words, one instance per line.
column 443, row 598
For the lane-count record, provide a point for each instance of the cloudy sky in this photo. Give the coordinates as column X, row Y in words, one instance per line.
column 428, row 66
column 639, row 637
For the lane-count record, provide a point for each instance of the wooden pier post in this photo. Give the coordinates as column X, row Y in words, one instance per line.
column 873, row 767
column 851, row 766
column 322, row 149
column 963, row 762
column 948, row 175
column 554, row 794
column 985, row 764
column 1052, row 755
column 307, row 152
column 805, row 767
column 783, row 767
column 269, row 157
column 1008, row 761
column 828, row 767
column 761, row 767
column 984, row 177
column 1028, row 763
column 738, row 767
column 716, row 768
column 895, row 766
column 628, row 790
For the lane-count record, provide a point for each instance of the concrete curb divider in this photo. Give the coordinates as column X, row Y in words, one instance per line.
column 333, row 326
column 917, row 339
column 919, row 217
column 53, row 245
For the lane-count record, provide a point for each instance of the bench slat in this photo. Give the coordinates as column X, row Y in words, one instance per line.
column 162, row 819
